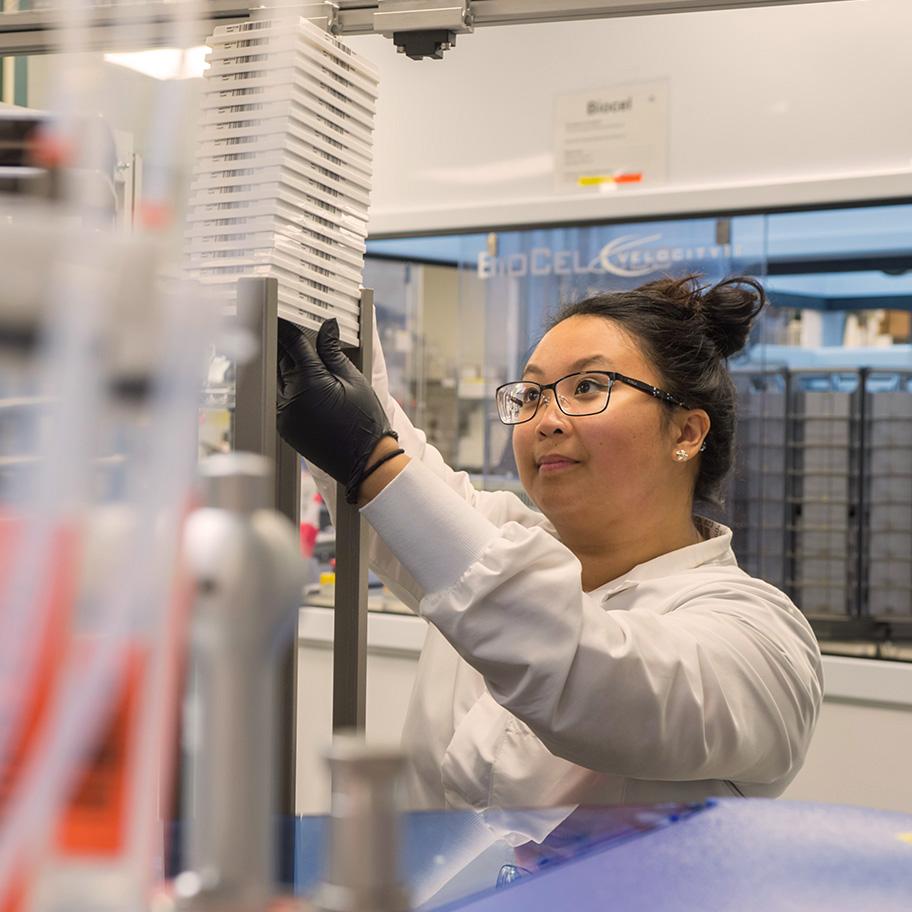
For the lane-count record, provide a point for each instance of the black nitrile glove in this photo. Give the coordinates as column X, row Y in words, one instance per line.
column 326, row 409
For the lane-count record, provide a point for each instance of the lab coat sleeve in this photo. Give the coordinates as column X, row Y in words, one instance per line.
column 720, row 680
column 502, row 504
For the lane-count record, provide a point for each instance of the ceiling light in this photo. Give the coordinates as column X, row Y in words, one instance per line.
column 164, row 63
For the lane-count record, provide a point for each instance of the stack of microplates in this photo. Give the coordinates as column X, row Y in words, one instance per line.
column 283, row 173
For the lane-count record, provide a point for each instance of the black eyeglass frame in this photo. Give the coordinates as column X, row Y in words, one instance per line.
column 613, row 376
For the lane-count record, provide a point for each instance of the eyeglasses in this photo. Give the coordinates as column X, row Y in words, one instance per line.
column 579, row 394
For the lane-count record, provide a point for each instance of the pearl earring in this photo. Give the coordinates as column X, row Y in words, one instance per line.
column 681, row 455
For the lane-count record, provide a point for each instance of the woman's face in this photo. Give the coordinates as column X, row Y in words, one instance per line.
column 597, row 468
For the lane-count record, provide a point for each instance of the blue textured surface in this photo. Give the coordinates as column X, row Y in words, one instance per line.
column 741, row 855
column 448, row 856
column 735, row 854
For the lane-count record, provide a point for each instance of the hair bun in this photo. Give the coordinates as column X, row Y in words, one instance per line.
column 723, row 312
column 729, row 309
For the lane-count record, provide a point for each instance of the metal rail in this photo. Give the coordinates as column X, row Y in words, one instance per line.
column 39, row 31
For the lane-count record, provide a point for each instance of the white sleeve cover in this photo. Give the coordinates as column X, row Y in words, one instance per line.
column 416, row 500
column 712, row 675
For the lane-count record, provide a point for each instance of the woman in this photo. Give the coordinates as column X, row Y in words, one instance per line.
column 608, row 649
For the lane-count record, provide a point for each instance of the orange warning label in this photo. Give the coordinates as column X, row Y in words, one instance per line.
column 94, row 822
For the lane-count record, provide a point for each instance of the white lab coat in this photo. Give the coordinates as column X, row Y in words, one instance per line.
column 684, row 678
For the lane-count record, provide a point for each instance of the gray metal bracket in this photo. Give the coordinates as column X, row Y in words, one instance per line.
column 350, row 615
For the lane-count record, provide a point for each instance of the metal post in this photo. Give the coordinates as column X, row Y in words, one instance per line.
column 790, row 499
column 350, row 616
column 254, row 430
column 860, row 608
column 288, row 502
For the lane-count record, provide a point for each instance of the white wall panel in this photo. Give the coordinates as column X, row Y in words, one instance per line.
column 764, row 103
column 859, row 755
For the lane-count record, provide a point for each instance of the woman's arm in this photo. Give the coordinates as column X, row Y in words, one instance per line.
column 501, row 506
column 718, row 678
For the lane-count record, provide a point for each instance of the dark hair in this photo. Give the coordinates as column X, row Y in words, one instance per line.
column 688, row 331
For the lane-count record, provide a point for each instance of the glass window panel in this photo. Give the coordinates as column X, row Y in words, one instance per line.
column 821, row 452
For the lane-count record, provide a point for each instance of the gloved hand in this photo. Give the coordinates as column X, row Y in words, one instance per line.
column 326, row 408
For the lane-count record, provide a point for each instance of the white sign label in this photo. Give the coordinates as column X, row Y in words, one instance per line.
column 612, row 138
